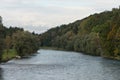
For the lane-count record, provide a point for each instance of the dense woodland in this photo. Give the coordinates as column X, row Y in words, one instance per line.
column 15, row 41
column 97, row 34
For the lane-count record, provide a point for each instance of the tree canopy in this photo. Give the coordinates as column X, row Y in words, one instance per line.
column 15, row 39
column 97, row 34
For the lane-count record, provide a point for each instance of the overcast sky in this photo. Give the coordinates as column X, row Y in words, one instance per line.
column 40, row 15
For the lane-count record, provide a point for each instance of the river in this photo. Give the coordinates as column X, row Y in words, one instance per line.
column 60, row 65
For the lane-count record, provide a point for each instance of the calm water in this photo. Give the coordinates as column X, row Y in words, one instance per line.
column 60, row 65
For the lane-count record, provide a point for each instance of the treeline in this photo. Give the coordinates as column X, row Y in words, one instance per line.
column 15, row 41
column 97, row 34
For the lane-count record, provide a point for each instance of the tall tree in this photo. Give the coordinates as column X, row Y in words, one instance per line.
column 25, row 43
column 8, row 43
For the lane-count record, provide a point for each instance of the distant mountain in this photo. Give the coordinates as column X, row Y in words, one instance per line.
column 97, row 34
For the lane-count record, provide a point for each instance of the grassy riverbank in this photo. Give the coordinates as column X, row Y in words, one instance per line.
column 12, row 53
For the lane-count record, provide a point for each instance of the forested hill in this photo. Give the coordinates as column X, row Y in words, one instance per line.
column 15, row 41
column 97, row 34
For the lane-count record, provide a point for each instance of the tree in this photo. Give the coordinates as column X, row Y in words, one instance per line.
column 25, row 43
column 1, row 40
column 1, row 48
column 8, row 42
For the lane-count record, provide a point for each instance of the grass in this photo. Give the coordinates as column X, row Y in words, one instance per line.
column 7, row 56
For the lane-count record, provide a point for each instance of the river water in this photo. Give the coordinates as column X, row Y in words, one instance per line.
column 60, row 65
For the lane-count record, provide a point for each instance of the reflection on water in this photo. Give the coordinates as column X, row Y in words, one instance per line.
column 1, row 74
column 60, row 65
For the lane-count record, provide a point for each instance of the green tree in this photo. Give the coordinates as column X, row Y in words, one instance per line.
column 25, row 43
column 8, row 43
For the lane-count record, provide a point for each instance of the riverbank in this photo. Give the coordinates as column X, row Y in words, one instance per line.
column 12, row 54
column 8, row 55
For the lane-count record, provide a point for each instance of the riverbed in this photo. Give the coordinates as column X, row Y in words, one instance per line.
column 60, row 65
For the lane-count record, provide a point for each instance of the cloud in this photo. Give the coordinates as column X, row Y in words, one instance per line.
column 40, row 15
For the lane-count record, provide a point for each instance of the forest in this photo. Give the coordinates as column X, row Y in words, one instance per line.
column 14, row 41
column 97, row 34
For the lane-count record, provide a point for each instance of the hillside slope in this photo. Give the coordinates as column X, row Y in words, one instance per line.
column 97, row 34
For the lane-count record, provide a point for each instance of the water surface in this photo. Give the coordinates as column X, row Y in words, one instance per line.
column 60, row 65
